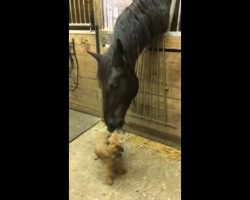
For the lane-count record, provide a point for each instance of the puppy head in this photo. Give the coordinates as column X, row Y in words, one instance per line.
column 115, row 139
column 114, row 145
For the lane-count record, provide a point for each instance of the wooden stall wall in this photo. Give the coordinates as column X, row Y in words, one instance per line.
column 86, row 97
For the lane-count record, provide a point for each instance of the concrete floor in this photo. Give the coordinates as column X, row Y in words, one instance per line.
column 151, row 173
column 80, row 122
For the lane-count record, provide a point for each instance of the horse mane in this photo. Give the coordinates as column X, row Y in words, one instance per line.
column 140, row 22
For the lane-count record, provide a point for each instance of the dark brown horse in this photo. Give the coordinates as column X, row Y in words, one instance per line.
column 140, row 22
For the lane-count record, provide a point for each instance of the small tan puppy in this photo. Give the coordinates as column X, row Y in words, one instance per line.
column 109, row 151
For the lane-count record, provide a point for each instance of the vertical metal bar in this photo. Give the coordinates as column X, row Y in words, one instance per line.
column 151, row 80
column 135, row 99
column 79, row 10
column 112, row 13
column 107, row 13
column 97, row 39
column 147, row 102
column 89, row 11
column 133, row 108
column 70, row 9
column 164, row 78
column 140, row 91
column 84, row 11
column 138, row 75
column 143, row 83
column 140, row 86
column 94, row 12
column 158, row 79
column 109, row 16
column 104, row 14
column 179, row 14
column 100, row 6
column 75, row 11
column 171, row 14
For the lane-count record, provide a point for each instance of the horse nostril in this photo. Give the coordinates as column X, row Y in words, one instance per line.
column 120, row 123
column 110, row 127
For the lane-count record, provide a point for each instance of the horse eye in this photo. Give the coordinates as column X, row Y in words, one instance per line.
column 114, row 84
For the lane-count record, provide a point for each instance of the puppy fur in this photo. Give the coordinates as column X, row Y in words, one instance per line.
column 109, row 150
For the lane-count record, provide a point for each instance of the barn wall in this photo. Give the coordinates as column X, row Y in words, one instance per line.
column 86, row 97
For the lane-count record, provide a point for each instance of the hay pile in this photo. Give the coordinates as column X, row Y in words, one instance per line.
column 163, row 150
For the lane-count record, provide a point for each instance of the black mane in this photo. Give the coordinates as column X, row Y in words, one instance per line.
column 142, row 21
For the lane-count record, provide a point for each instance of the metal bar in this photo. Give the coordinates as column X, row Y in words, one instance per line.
column 81, row 32
column 145, row 82
column 179, row 15
column 112, row 14
column 151, row 82
column 158, row 86
column 107, row 15
column 140, row 91
column 94, row 11
column 138, row 75
column 164, row 79
column 79, row 24
column 70, row 9
column 103, row 7
column 98, row 11
column 171, row 14
column 166, row 49
column 97, row 39
column 75, row 10
column 84, row 11
column 135, row 99
column 173, row 33
column 102, row 15
column 89, row 11
column 79, row 10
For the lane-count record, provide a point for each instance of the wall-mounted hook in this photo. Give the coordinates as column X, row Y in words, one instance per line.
column 85, row 44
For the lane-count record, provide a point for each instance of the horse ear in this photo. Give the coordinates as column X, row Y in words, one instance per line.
column 119, row 46
column 97, row 56
column 119, row 52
